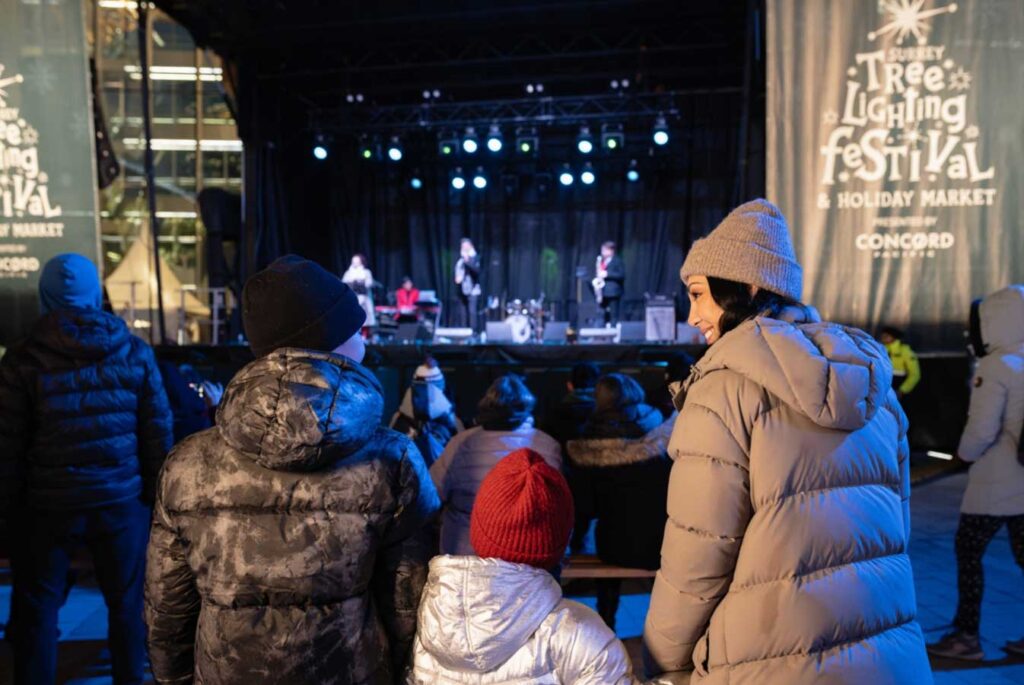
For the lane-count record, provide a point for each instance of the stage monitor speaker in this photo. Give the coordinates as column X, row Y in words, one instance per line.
column 452, row 334
column 689, row 335
column 660, row 320
column 411, row 332
column 598, row 335
column 632, row 331
column 499, row 331
column 556, row 331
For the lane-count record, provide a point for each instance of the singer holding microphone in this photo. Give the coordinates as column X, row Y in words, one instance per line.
column 610, row 274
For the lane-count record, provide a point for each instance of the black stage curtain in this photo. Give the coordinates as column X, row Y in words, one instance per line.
column 531, row 232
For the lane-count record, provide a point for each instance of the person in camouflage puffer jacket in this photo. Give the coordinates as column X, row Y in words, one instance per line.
column 290, row 542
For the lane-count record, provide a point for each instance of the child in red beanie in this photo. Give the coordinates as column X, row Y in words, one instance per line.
column 500, row 617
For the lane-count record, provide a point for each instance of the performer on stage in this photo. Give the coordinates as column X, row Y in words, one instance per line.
column 467, row 278
column 406, row 298
column 607, row 283
column 360, row 279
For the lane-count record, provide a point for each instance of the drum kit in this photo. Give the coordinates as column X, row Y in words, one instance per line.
column 526, row 319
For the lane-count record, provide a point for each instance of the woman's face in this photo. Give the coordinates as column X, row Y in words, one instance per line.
column 356, row 262
column 705, row 313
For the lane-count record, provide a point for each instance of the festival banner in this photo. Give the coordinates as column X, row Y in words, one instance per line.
column 47, row 175
column 895, row 148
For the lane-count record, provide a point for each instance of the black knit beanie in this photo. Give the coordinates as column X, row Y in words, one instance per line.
column 297, row 303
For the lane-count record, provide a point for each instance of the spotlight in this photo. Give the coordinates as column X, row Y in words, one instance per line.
column 612, row 137
column 366, row 148
column 660, row 135
column 415, row 182
column 494, row 140
column 566, row 177
column 320, row 148
column 588, row 177
column 469, row 143
column 447, row 144
column 395, row 150
column 632, row 174
column 527, row 141
column 479, row 180
column 458, row 180
column 584, row 141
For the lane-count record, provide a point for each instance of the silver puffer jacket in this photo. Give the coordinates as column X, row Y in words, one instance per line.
column 490, row 621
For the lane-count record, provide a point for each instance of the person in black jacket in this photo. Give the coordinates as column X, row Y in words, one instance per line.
column 290, row 541
column 84, row 429
column 565, row 420
column 611, row 269
column 620, row 469
column 467, row 282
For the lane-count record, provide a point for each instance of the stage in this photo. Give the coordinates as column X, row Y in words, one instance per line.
column 937, row 409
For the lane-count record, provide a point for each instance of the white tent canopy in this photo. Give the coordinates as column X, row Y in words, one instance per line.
column 131, row 287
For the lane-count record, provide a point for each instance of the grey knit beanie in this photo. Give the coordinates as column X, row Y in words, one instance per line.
column 751, row 245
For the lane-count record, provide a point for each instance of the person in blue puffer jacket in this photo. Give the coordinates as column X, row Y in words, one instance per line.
column 84, row 429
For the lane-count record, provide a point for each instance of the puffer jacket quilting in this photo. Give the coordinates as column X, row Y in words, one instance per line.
column 488, row 621
column 290, row 542
column 84, row 419
column 784, row 559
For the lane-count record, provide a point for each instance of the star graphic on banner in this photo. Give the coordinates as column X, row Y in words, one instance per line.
column 906, row 17
column 830, row 117
column 30, row 135
column 7, row 81
column 912, row 135
column 960, row 79
column 972, row 131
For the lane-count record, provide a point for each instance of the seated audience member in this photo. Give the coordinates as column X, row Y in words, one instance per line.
column 426, row 415
column 565, row 420
column 499, row 616
column 84, row 429
column 406, row 297
column 619, row 477
column 505, row 424
column 290, row 542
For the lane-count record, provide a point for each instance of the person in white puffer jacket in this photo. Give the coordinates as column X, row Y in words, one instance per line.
column 500, row 617
column 990, row 441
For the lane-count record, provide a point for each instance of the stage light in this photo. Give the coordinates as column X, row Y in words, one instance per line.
column 458, row 180
column 320, row 152
column 632, row 174
column 660, row 135
column 566, row 177
column 527, row 141
column 395, row 150
column 494, row 140
column 612, row 137
column 447, row 144
column 416, row 182
column 366, row 147
column 470, row 144
column 584, row 141
column 587, row 177
column 479, row 180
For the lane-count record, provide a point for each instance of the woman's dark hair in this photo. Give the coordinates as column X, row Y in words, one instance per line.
column 976, row 343
column 891, row 330
column 739, row 305
column 615, row 391
column 406, row 279
column 506, row 405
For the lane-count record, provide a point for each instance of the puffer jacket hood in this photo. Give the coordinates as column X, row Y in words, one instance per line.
column 836, row 376
column 81, row 333
column 1002, row 318
column 299, row 410
column 429, row 399
column 476, row 613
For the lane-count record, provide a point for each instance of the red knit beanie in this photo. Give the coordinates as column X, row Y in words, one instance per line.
column 523, row 512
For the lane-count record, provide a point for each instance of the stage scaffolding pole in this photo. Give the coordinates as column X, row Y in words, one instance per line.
column 147, row 123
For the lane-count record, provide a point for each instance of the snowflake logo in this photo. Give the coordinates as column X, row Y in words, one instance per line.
column 960, row 79
column 30, row 135
column 906, row 17
column 830, row 117
column 972, row 131
column 8, row 81
column 912, row 135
